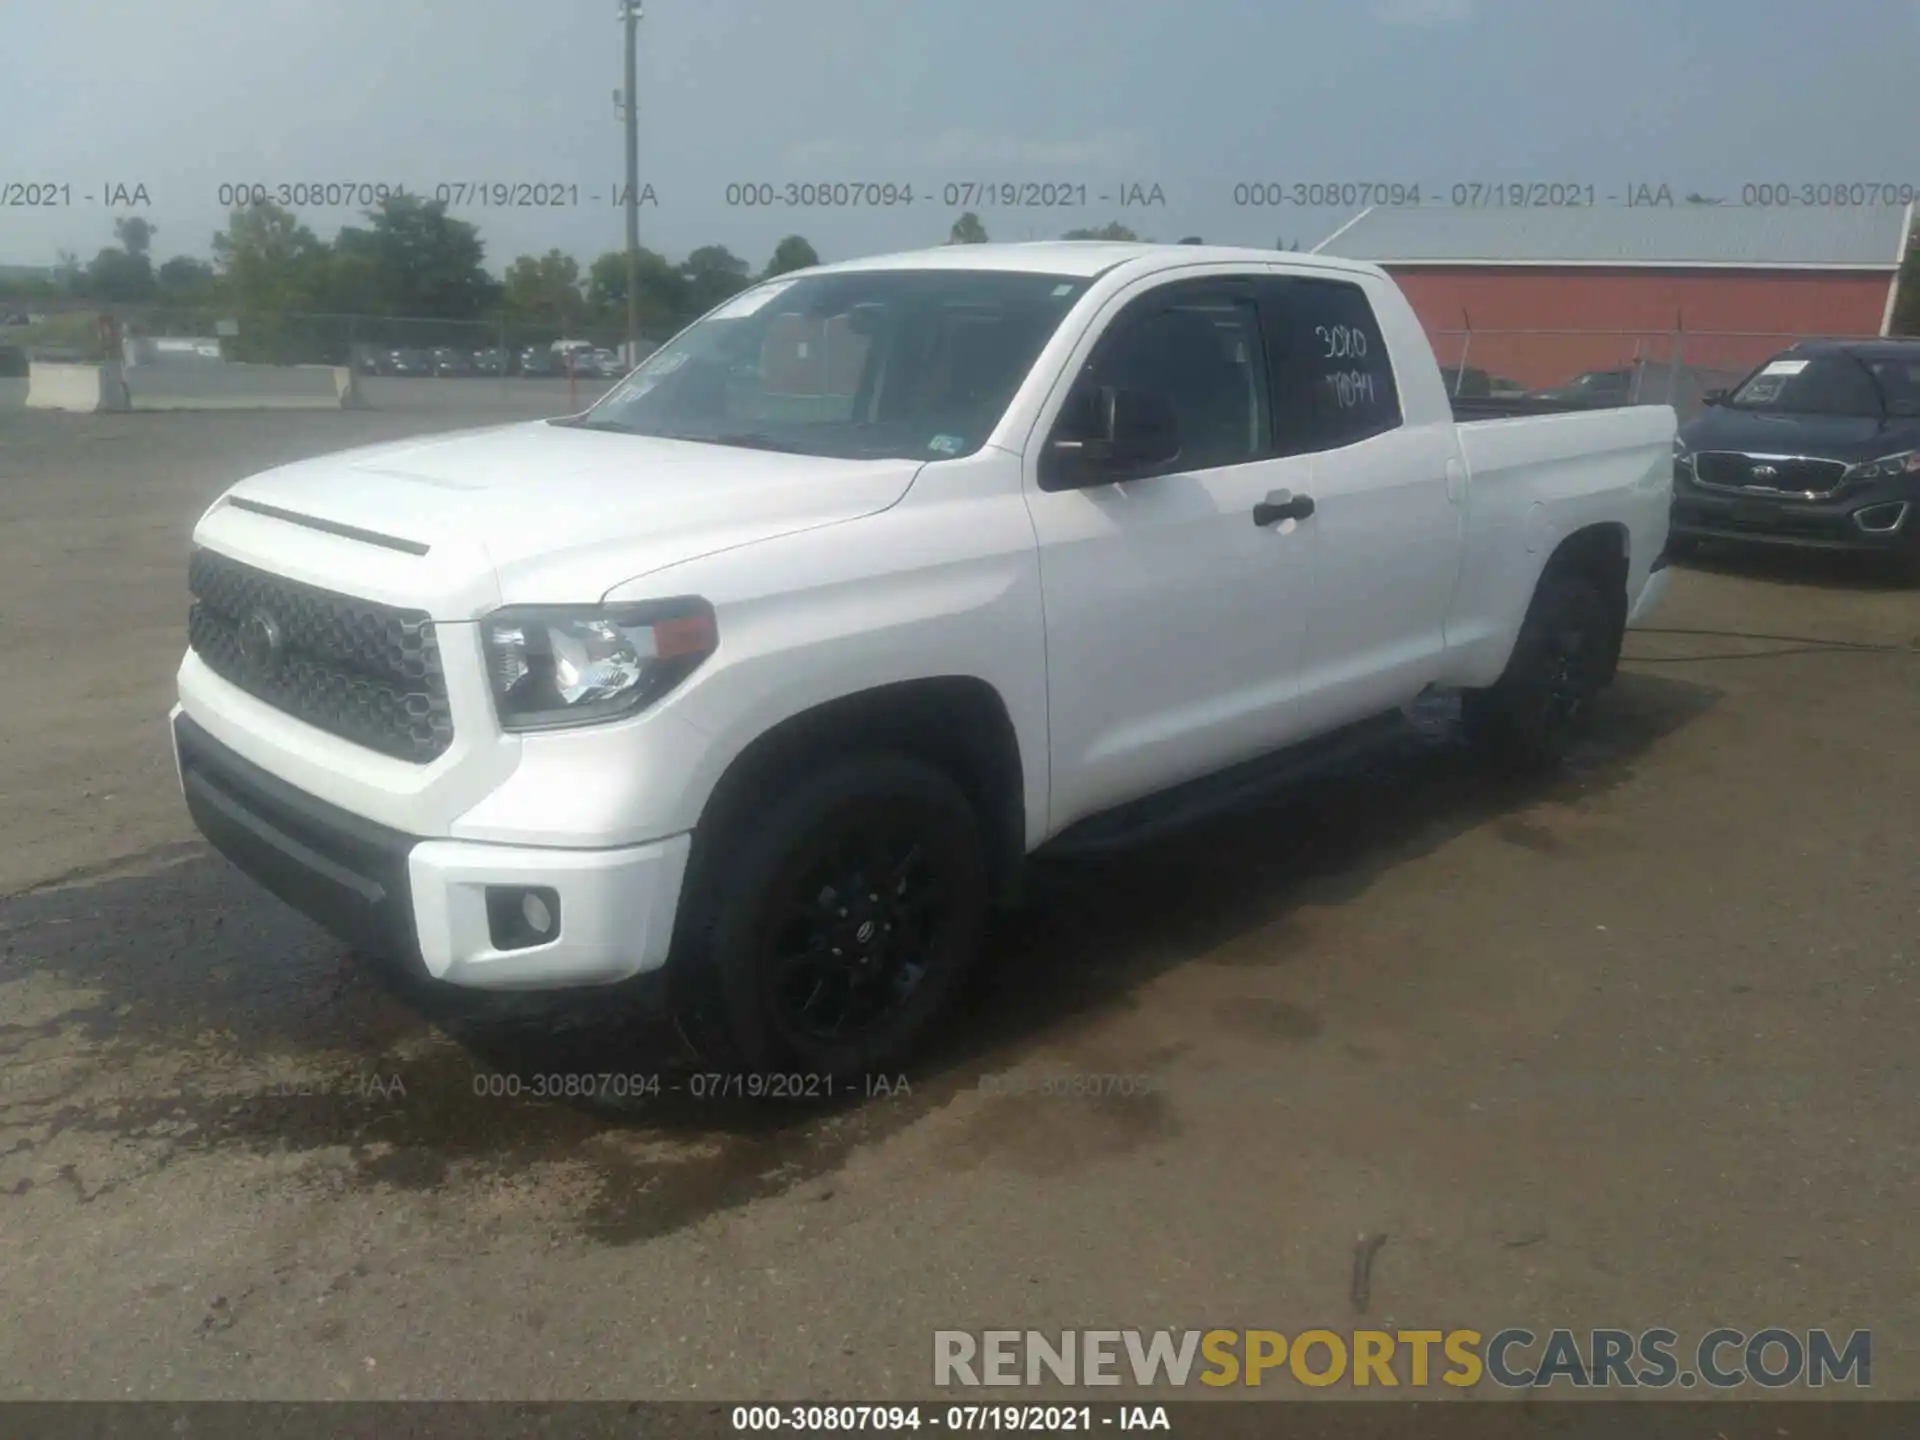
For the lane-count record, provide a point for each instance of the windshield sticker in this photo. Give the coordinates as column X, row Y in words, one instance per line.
column 945, row 444
column 751, row 302
column 1761, row 391
column 655, row 368
column 1785, row 367
column 1060, row 290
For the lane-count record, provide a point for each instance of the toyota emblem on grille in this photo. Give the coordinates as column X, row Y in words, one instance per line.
column 260, row 641
column 1765, row 472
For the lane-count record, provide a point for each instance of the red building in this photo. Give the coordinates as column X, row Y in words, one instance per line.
column 1540, row 296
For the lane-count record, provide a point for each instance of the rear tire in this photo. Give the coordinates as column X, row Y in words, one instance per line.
column 1568, row 647
column 837, row 924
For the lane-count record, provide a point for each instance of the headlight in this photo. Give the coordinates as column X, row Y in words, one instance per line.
column 1682, row 454
column 566, row 665
column 1885, row 468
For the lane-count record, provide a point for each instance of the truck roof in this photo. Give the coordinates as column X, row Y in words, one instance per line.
column 1089, row 258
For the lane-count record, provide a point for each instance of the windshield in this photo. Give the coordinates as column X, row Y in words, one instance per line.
column 1832, row 385
column 911, row 364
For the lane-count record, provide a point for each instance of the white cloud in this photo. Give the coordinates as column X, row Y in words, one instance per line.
column 1428, row 14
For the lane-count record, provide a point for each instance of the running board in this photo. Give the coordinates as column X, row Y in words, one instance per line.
column 1211, row 796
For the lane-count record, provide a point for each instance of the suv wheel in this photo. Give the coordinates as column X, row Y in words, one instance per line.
column 1568, row 647
column 836, row 928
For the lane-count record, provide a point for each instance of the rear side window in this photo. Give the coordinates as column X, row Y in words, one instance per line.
column 1332, row 377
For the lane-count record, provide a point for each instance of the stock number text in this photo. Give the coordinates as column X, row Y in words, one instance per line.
column 1843, row 194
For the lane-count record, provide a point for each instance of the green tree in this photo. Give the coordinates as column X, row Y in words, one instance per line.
column 1906, row 318
column 268, row 260
column 125, row 272
column 967, row 230
column 270, row 267
column 1112, row 230
column 113, row 274
column 712, row 273
column 414, row 259
column 545, row 292
column 792, row 253
column 69, row 274
column 184, row 280
column 663, row 294
column 135, row 234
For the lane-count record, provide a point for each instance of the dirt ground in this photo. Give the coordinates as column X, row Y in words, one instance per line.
column 1631, row 1047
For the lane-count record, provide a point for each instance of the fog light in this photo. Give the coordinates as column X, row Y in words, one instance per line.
column 534, row 910
column 1881, row 519
column 519, row 916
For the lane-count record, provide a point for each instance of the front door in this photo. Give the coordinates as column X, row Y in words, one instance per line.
column 1174, row 616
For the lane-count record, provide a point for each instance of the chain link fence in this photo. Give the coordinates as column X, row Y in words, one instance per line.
column 1605, row 367
column 1571, row 366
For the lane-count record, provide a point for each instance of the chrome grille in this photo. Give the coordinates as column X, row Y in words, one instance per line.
column 1794, row 474
column 366, row 672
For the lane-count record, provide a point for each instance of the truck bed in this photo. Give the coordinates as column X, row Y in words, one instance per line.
column 1482, row 407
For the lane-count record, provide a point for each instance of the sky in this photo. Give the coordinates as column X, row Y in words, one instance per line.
column 1198, row 98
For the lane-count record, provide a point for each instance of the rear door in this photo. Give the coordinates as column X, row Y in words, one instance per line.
column 1388, row 495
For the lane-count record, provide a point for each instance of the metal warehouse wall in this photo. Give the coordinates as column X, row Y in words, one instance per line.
column 1629, row 314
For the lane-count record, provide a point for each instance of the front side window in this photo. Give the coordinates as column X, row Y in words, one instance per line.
column 909, row 364
column 1200, row 349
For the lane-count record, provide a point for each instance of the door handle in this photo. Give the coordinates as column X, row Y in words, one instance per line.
column 1282, row 505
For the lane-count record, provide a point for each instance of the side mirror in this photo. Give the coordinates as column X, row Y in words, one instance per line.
column 1715, row 397
column 1117, row 433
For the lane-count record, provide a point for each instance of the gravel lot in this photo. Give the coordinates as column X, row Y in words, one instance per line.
column 1632, row 1047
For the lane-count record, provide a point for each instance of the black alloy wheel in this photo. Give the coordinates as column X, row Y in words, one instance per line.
column 1568, row 647
column 833, row 922
column 858, row 928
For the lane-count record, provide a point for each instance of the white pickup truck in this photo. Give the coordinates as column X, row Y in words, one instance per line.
column 757, row 682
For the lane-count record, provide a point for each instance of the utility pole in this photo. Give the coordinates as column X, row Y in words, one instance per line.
column 630, row 109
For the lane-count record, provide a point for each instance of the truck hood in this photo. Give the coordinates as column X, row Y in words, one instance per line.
column 554, row 514
column 1852, row 438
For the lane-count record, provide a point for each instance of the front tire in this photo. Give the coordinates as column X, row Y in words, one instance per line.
column 838, row 922
column 1568, row 647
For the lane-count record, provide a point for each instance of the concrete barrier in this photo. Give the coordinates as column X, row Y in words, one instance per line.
column 244, row 387
column 85, row 388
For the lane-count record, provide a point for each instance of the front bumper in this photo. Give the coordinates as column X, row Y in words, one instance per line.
column 1878, row 518
column 424, row 902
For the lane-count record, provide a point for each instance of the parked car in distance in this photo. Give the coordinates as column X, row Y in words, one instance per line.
column 607, row 364
column 406, row 362
column 728, row 692
column 448, row 361
column 538, row 360
column 1817, row 449
column 1597, row 388
column 490, row 362
column 1471, row 384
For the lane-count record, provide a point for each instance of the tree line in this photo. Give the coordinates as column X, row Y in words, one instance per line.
column 412, row 259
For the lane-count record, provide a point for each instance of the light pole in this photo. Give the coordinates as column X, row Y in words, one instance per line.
column 630, row 112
